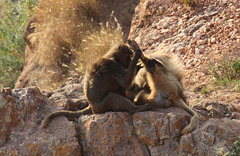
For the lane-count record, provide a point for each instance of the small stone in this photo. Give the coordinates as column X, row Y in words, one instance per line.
column 197, row 51
column 201, row 42
column 210, row 24
column 224, row 2
column 213, row 40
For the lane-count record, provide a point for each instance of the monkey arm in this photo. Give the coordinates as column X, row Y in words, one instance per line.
column 120, row 76
column 125, row 77
column 141, row 79
column 141, row 97
column 133, row 45
column 131, row 71
column 144, row 59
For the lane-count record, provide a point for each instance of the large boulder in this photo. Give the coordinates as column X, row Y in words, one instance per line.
column 166, row 25
column 20, row 132
column 214, row 136
column 109, row 134
column 144, row 133
column 156, row 132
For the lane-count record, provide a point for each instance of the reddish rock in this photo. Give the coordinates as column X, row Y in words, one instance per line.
column 20, row 132
column 166, row 25
column 70, row 96
column 111, row 133
column 114, row 133
column 212, row 136
column 214, row 110
column 18, row 104
column 160, row 130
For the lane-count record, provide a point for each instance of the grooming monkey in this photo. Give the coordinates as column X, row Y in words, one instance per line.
column 158, row 83
column 105, row 84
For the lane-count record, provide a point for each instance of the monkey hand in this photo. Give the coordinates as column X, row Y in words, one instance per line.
column 133, row 45
column 138, row 53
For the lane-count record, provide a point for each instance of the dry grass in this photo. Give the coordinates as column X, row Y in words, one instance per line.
column 67, row 36
column 95, row 45
column 61, row 26
column 98, row 42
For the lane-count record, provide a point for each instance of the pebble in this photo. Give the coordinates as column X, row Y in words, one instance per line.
column 224, row 2
column 201, row 42
column 213, row 40
column 199, row 51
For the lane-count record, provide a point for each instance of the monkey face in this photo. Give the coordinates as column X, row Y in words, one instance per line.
column 126, row 59
column 124, row 55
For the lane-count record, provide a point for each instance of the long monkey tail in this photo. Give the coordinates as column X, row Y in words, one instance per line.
column 66, row 113
column 180, row 103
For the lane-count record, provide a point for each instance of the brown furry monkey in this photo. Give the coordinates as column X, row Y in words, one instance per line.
column 158, row 83
column 105, row 83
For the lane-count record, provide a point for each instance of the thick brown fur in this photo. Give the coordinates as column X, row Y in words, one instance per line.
column 106, row 81
column 159, row 83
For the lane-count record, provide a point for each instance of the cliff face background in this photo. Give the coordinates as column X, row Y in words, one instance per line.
column 62, row 35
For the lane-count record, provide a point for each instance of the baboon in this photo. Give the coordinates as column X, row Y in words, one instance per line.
column 158, row 83
column 106, row 81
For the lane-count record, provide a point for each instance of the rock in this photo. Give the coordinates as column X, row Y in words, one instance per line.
column 201, row 42
column 70, row 96
column 213, row 110
column 194, row 27
column 223, row 2
column 20, row 132
column 109, row 134
column 160, row 130
column 212, row 136
column 18, row 104
column 213, row 40
column 115, row 133
column 193, row 62
column 165, row 25
column 236, row 115
column 199, row 51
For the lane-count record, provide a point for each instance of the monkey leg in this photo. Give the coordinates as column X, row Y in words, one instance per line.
column 116, row 102
column 158, row 101
column 66, row 113
column 141, row 98
column 180, row 103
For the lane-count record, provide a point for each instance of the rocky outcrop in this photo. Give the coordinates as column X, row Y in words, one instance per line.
column 166, row 25
column 113, row 133
column 202, row 36
column 173, row 27
column 143, row 133
column 109, row 134
column 213, row 136
column 20, row 133
column 160, row 130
